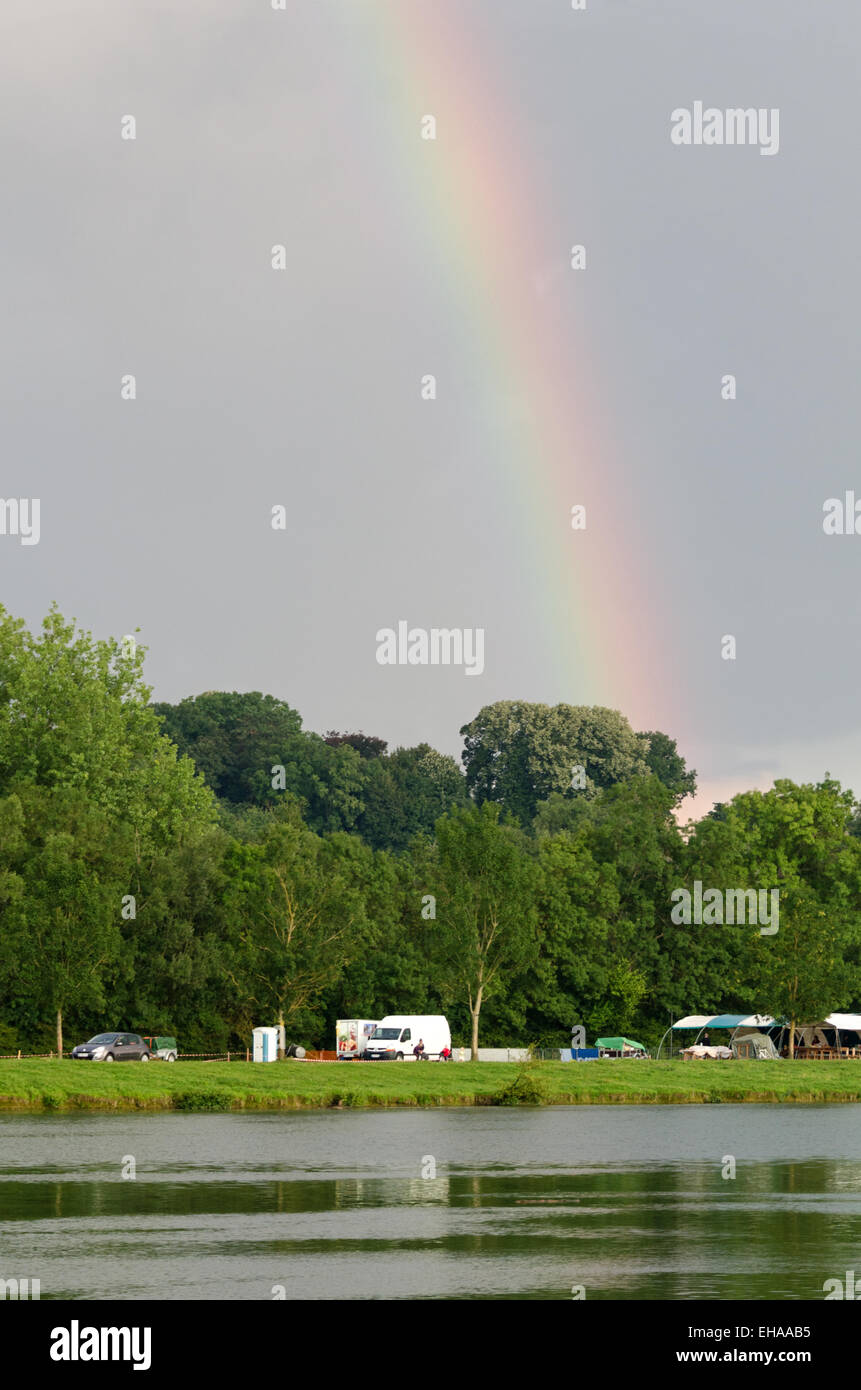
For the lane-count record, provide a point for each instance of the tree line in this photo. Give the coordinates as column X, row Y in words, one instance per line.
column 201, row 868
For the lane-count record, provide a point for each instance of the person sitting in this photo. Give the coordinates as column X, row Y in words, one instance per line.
column 445, row 1054
column 419, row 1050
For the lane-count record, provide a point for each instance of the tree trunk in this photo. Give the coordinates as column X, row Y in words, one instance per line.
column 792, row 1039
column 59, row 1032
column 282, row 1034
column 475, row 1013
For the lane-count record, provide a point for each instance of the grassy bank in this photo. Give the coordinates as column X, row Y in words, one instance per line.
column 217, row 1086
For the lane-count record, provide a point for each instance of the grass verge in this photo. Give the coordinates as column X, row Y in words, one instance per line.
column 53, row 1086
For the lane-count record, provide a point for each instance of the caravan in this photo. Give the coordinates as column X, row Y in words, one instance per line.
column 352, row 1037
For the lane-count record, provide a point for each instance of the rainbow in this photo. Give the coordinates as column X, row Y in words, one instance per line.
column 476, row 187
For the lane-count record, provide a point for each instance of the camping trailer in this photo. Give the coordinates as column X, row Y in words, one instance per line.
column 352, row 1037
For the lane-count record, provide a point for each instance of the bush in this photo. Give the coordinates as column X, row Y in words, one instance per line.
column 201, row 1100
column 524, row 1089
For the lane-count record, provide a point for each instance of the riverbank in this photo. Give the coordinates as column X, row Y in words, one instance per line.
column 220, row 1086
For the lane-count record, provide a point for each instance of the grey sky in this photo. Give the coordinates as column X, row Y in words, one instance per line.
column 257, row 387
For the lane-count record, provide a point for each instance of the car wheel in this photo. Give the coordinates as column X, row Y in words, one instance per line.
column 144, row 1056
column 400, row 1057
column 171, row 1057
column 110, row 1057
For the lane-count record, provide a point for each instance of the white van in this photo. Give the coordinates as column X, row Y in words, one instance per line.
column 397, row 1034
column 351, row 1037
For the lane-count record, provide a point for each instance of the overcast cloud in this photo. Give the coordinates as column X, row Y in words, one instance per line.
column 257, row 387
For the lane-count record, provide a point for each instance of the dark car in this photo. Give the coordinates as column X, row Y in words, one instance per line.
column 113, row 1047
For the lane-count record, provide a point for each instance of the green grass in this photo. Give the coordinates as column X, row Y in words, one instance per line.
column 52, row 1086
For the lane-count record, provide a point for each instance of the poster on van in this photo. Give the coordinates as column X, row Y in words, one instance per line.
column 348, row 1037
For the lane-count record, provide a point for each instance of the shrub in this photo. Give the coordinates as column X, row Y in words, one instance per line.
column 201, row 1100
column 524, row 1089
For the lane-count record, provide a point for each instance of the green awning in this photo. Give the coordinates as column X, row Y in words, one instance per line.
column 618, row 1044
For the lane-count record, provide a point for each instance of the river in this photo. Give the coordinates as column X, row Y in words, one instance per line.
column 624, row 1202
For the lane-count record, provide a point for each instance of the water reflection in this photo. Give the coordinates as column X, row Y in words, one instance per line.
column 520, row 1205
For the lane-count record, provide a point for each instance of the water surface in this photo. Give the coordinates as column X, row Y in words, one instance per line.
column 628, row 1202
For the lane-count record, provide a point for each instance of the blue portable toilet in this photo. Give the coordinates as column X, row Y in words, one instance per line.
column 265, row 1045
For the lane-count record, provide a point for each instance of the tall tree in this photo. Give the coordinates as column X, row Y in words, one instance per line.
column 62, row 938
column 486, row 925
column 101, row 793
column 365, row 744
column 630, row 831
column 253, row 752
column 234, row 739
column 173, row 981
column 809, row 967
column 668, row 765
column 519, row 754
column 299, row 899
column 74, row 712
column 794, row 839
column 405, row 794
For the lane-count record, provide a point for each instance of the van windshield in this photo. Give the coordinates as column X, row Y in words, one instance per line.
column 390, row 1034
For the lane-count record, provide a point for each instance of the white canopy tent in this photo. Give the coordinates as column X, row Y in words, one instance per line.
column 811, row 1035
column 740, row 1023
column 848, row 1022
column 697, row 1023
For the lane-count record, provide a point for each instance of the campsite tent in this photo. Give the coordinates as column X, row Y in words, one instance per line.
column 697, row 1023
column 775, row 1031
column 620, row 1046
column 836, row 1031
column 841, row 1027
column 754, row 1046
column 844, row 1023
